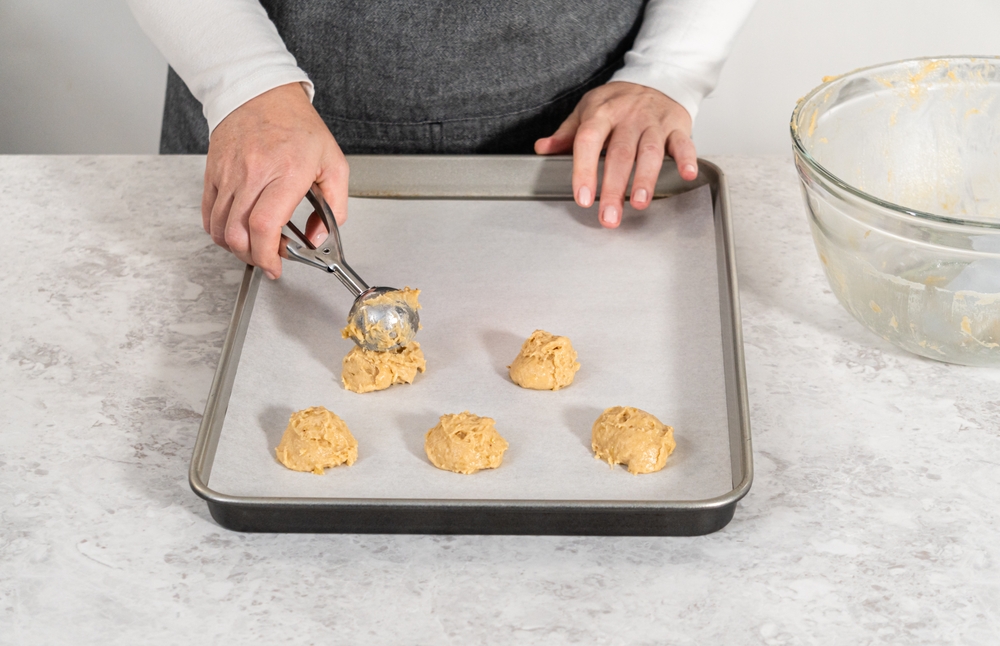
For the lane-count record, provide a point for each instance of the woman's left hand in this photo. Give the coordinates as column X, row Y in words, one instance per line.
column 637, row 125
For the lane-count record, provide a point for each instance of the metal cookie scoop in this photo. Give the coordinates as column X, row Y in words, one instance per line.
column 382, row 318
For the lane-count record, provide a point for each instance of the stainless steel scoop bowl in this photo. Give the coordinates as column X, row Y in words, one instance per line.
column 381, row 324
column 376, row 323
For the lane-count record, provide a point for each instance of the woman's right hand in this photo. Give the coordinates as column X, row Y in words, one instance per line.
column 262, row 160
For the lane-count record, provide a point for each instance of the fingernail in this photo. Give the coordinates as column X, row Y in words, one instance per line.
column 267, row 272
column 583, row 196
column 690, row 168
column 610, row 215
column 640, row 195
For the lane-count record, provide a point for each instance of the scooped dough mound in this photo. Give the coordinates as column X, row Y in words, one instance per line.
column 633, row 437
column 465, row 443
column 384, row 337
column 316, row 439
column 366, row 370
column 546, row 362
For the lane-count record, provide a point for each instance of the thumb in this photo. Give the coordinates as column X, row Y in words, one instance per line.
column 561, row 141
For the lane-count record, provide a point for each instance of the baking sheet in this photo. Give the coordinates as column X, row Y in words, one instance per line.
column 641, row 305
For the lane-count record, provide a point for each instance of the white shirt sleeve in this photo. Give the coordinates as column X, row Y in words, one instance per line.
column 682, row 45
column 226, row 51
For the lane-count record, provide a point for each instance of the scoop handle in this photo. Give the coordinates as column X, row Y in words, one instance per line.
column 329, row 254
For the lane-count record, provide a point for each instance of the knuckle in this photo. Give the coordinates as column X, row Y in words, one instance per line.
column 590, row 134
column 217, row 229
column 259, row 227
column 219, row 238
column 257, row 258
column 336, row 175
column 226, row 184
column 620, row 149
column 253, row 160
column 235, row 240
column 603, row 110
column 651, row 149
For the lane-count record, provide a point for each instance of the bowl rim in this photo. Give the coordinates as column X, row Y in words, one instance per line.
column 898, row 209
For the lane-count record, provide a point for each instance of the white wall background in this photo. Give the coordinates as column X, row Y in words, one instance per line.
column 78, row 76
column 788, row 46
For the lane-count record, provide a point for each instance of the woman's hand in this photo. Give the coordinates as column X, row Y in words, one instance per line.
column 262, row 160
column 637, row 125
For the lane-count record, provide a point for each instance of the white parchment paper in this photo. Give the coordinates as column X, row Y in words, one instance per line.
column 640, row 304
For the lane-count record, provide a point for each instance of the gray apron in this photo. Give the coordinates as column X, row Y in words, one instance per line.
column 441, row 76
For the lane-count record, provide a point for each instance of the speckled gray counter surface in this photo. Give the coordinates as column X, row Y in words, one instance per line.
column 873, row 516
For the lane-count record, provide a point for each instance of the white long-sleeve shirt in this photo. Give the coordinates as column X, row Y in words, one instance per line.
column 229, row 51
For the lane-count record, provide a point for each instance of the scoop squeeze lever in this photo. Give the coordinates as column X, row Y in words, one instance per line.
column 374, row 322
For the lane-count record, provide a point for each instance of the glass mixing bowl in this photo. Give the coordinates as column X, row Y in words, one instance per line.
column 900, row 169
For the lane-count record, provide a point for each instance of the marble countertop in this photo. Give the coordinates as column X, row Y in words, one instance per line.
column 873, row 517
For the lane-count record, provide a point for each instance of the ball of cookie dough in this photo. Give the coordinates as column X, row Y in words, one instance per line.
column 316, row 439
column 546, row 362
column 465, row 443
column 633, row 437
column 366, row 370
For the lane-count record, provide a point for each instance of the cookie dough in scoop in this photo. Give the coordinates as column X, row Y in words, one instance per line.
column 465, row 443
column 316, row 439
column 365, row 370
column 546, row 362
column 633, row 437
column 390, row 331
